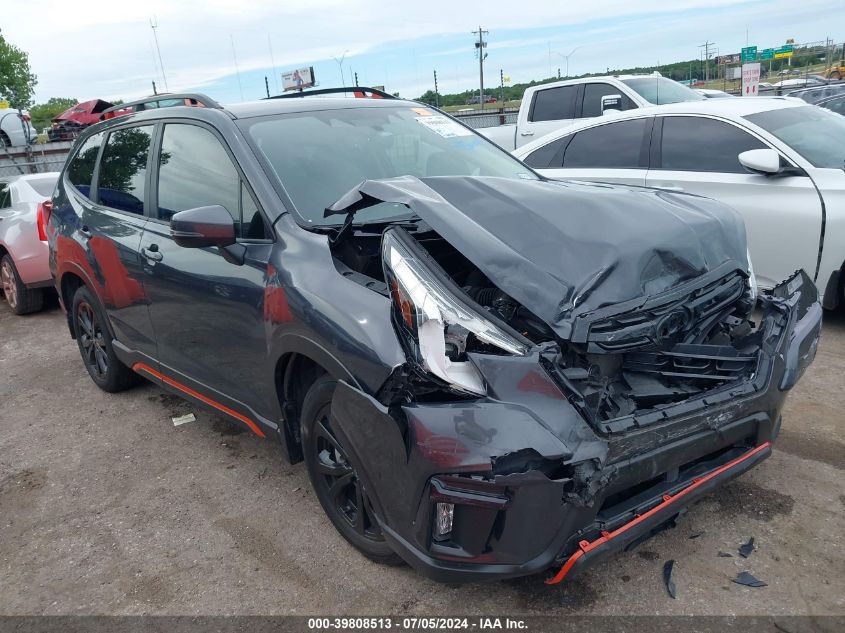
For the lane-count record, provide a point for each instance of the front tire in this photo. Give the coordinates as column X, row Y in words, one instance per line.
column 21, row 300
column 335, row 479
column 95, row 344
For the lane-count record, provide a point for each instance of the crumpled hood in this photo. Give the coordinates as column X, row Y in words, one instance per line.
column 565, row 248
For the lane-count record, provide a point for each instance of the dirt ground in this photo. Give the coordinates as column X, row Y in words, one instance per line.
column 107, row 508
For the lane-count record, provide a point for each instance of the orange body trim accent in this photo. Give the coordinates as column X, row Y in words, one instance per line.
column 220, row 407
column 587, row 546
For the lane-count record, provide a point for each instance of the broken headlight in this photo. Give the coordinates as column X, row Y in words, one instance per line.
column 436, row 319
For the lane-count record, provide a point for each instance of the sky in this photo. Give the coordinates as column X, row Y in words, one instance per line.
column 225, row 48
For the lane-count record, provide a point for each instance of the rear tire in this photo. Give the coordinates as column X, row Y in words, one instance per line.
column 21, row 300
column 335, row 478
column 95, row 344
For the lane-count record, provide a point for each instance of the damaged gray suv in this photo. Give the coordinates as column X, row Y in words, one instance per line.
column 487, row 374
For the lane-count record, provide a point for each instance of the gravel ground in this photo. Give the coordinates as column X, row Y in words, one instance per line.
column 107, row 508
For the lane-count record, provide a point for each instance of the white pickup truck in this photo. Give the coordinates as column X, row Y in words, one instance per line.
column 548, row 107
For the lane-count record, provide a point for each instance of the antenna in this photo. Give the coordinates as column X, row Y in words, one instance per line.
column 154, row 26
column 237, row 70
column 273, row 63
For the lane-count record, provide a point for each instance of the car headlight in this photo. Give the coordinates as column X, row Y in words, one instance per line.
column 434, row 317
column 752, row 279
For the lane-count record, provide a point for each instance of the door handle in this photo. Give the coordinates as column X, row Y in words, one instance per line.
column 526, row 133
column 152, row 253
column 84, row 232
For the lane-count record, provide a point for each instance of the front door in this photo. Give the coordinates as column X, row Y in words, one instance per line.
column 207, row 308
column 782, row 214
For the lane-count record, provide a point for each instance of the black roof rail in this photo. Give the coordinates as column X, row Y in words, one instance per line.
column 375, row 92
column 201, row 99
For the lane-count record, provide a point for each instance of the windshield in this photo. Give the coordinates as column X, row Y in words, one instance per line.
column 318, row 156
column 660, row 90
column 817, row 134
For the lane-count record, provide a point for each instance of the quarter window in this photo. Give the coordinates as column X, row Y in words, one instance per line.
column 121, row 183
column 553, row 104
column 80, row 171
column 700, row 144
column 542, row 157
column 615, row 145
column 592, row 99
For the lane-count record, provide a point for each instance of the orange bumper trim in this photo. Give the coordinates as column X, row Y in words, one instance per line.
column 195, row 394
column 584, row 547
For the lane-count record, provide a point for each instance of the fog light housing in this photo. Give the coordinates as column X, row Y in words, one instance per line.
column 444, row 515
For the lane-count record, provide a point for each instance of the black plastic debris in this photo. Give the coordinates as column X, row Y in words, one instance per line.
column 696, row 534
column 725, row 554
column 668, row 567
column 746, row 548
column 745, row 578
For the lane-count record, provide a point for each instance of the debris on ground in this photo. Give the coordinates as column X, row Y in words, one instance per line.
column 668, row 567
column 183, row 419
column 746, row 548
column 725, row 554
column 745, row 578
column 696, row 534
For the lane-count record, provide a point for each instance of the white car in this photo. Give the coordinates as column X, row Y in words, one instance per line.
column 778, row 161
column 15, row 128
column 24, row 256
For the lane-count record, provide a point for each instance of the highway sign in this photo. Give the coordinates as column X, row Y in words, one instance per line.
column 749, row 54
column 767, row 53
column 783, row 51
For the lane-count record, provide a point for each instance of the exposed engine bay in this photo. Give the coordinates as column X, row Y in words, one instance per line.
column 621, row 360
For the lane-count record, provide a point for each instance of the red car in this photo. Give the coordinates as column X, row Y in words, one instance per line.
column 72, row 121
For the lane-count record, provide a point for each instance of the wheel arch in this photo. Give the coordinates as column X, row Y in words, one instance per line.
column 299, row 364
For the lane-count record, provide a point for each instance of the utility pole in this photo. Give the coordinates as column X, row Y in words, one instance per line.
column 706, row 46
column 502, row 84
column 480, row 45
column 356, row 79
column 436, row 95
column 154, row 26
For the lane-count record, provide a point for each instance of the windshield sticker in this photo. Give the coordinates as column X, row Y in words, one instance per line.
column 443, row 126
column 423, row 111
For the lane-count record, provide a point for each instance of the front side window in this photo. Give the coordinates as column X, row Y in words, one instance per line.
column 553, row 104
column 615, row 146
column 815, row 133
column 835, row 105
column 660, row 90
column 317, row 156
column 700, row 144
column 592, row 99
column 121, row 183
column 195, row 171
column 80, row 171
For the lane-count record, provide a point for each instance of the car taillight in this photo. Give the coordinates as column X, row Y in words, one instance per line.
column 25, row 117
column 45, row 209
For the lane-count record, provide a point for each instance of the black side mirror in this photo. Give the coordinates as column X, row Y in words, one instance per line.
column 203, row 226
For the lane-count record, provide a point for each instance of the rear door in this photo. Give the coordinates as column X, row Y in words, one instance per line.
column 111, row 220
column 782, row 214
column 207, row 308
column 612, row 152
column 550, row 109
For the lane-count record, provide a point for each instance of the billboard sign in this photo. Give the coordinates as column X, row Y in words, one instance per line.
column 750, row 79
column 721, row 60
column 298, row 79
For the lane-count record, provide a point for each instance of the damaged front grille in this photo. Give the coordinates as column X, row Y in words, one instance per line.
column 630, row 365
column 661, row 320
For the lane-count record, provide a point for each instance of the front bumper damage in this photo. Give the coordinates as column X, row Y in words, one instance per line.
column 534, row 486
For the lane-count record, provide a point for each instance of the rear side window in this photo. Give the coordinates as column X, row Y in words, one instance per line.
column 592, row 99
column 553, row 104
column 700, row 144
column 121, row 183
column 195, row 171
column 80, row 171
column 542, row 157
column 615, row 145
